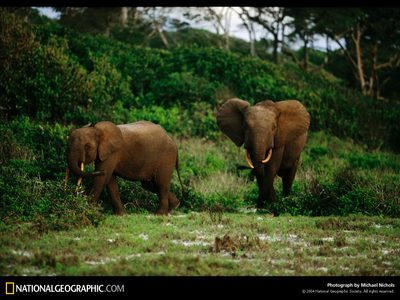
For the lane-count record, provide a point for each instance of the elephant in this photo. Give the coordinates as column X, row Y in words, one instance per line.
column 274, row 135
column 140, row 151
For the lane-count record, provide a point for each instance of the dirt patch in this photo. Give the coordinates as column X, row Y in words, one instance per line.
column 237, row 245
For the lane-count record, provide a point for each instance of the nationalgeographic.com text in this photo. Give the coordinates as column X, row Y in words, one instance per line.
column 69, row 288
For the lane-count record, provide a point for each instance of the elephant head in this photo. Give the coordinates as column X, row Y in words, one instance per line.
column 87, row 144
column 263, row 127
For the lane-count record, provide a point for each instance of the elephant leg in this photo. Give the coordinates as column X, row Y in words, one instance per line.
column 265, row 184
column 101, row 180
column 262, row 192
column 163, row 196
column 269, row 190
column 163, row 180
column 150, row 185
column 173, row 201
column 288, row 177
column 265, row 179
column 98, row 185
column 115, row 197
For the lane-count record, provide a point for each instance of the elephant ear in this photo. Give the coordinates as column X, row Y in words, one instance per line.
column 110, row 139
column 230, row 119
column 293, row 121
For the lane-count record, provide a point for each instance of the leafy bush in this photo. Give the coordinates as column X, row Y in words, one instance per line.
column 53, row 76
column 67, row 76
column 46, row 143
column 184, row 88
column 200, row 121
column 26, row 197
column 38, row 80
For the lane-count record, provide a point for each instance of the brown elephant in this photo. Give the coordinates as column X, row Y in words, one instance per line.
column 140, row 151
column 273, row 134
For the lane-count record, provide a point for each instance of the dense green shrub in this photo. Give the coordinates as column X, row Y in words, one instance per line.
column 26, row 197
column 75, row 77
column 45, row 143
column 38, row 80
column 340, row 178
column 53, row 76
column 198, row 121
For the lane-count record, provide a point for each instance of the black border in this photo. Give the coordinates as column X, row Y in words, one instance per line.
column 183, row 3
column 199, row 286
column 209, row 287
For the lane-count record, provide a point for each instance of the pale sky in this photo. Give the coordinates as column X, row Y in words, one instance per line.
column 235, row 28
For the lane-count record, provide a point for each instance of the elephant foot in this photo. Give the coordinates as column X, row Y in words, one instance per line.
column 260, row 204
column 173, row 203
column 121, row 212
column 162, row 212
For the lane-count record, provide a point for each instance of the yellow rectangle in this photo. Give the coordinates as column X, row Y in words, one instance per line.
column 12, row 290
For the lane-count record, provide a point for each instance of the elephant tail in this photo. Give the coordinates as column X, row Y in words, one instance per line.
column 184, row 192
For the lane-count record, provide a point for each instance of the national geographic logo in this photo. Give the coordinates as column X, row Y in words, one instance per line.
column 10, row 288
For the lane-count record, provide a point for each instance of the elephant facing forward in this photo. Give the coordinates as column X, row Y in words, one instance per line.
column 140, row 151
column 273, row 134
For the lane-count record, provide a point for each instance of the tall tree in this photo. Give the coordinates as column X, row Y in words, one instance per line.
column 303, row 26
column 369, row 39
column 219, row 17
column 124, row 16
column 90, row 19
column 249, row 25
column 271, row 19
column 158, row 17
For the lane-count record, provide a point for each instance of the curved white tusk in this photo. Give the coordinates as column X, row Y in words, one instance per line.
column 66, row 178
column 248, row 159
column 80, row 178
column 268, row 156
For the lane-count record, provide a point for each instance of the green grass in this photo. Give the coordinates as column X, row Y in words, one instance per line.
column 335, row 177
column 245, row 243
column 341, row 219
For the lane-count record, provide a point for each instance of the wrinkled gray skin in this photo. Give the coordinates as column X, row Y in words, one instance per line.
column 140, row 151
column 280, row 126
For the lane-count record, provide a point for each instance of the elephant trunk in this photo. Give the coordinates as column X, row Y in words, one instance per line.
column 74, row 160
column 257, row 156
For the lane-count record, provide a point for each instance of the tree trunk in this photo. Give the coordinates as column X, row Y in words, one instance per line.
column 305, row 56
column 106, row 32
column 275, row 48
column 226, row 38
column 356, row 36
column 252, row 43
column 162, row 35
column 228, row 15
column 282, row 37
column 326, row 60
column 373, row 78
column 124, row 16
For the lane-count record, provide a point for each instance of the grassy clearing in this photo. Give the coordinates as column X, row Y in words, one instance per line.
column 45, row 230
column 245, row 243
